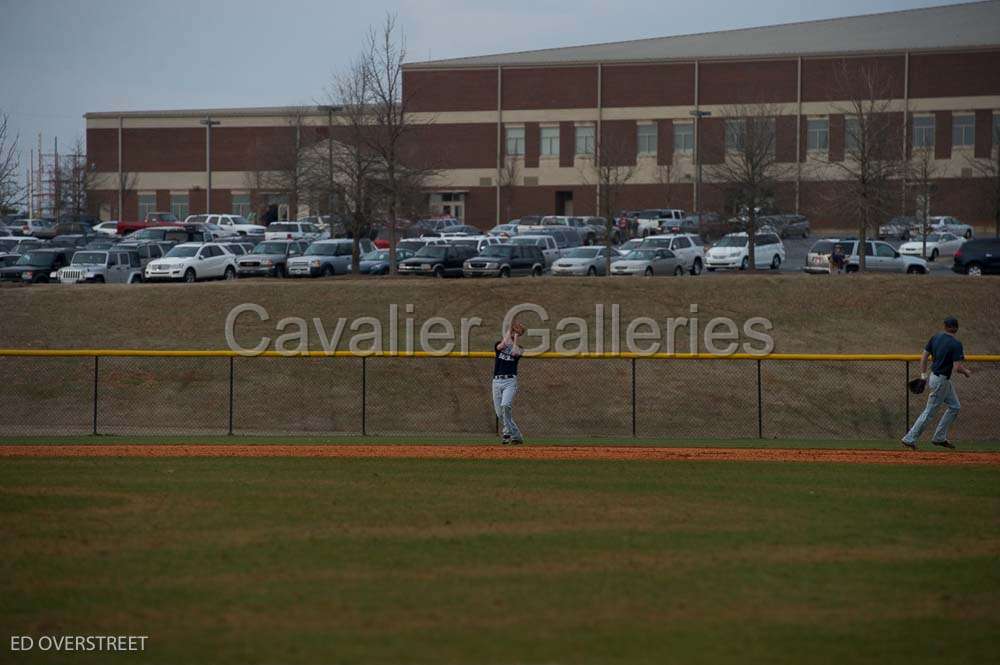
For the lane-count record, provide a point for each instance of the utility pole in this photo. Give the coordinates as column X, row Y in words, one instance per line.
column 56, row 182
column 329, row 158
column 698, row 115
column 31, row 186
column 209, row 123
column 40, row 180
column 120, row 216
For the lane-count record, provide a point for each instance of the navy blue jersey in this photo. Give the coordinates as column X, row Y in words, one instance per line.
column 505, row 362
column 946, row 351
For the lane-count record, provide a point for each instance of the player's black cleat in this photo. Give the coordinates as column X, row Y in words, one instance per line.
column 517, row 442
column 911, row 446
column 944, row 444
column 505, row 440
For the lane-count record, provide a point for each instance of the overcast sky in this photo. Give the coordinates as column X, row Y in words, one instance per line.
column 64, row 58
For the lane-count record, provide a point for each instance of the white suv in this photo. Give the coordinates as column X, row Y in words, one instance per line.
column 192, row 261
column 294, row 231
column 685, row 246
column 732, row 252
column 233, row 225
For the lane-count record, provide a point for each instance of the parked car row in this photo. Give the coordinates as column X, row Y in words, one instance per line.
column 194, row 250
column 708, row 225
column 905, row 228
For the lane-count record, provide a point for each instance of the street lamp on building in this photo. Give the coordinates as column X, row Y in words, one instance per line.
column 209, row 123
column 698, row 115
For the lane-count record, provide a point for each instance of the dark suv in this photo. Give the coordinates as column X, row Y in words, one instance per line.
column 978, row 257
column 270, row 258
column 506, row 261
column 437, row 260
column 37, row 265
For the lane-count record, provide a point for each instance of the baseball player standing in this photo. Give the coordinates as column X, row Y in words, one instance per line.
column 505, row 382
column 948, row 353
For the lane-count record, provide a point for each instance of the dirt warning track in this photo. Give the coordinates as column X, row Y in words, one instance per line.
column 610, row 453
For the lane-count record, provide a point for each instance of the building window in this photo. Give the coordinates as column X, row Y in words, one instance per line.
column 923, row 131
column 683, row 137
column 963, row 131
column 734, row 135
column 647, row 139
column 818, row 135
column 585, row 140
column 179, row 205
column 147, row 204
column 515, row 140
column 550, row 141
column 241, row 205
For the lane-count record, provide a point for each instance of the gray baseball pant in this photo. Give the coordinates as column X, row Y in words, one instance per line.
column 503, row 398
column 942, row 391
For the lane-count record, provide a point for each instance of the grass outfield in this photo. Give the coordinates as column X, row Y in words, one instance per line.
column 241, row 560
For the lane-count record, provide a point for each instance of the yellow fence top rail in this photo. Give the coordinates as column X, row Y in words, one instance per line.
column 172, row 353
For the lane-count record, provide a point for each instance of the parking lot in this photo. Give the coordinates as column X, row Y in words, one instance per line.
column 194, row 250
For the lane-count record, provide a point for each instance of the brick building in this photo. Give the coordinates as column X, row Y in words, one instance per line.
column 515, row 133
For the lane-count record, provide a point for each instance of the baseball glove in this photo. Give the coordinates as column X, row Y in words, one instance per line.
column 518, row 328
column 917, row 386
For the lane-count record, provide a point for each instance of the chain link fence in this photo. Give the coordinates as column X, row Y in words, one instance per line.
column 613, row 397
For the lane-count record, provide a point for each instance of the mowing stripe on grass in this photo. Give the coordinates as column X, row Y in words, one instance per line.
column 611, row 453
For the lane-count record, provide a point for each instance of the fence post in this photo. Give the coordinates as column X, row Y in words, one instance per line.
column 760, row 404
column 95, row 394
column 231, row 381
column 906, row 392
column 633, row 398
column 364, row 396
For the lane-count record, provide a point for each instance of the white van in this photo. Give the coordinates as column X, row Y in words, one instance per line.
column 732, row 252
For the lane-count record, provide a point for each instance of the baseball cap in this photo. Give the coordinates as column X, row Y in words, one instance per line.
column 951, row 322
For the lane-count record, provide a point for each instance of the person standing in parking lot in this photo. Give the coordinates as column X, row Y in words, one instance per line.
column 837, row 259
column 948, row 355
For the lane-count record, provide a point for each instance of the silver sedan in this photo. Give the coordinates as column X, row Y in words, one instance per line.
column 583, row 261
column 648, row 262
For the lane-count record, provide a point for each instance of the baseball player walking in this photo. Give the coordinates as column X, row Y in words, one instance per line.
column 505, row 382
column 947, row 352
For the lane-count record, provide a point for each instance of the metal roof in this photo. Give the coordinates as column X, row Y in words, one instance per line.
column 961, row 26
column 263, row 111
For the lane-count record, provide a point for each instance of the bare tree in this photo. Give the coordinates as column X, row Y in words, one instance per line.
column 874, row 162
column 666, row 175
column 921, row 180
column 78, row 179
column 11, row 192
column 127, row 181
column 255, row 181
column 610, row 170
column 356, row 167
column 404, row 169
column 750, row 170
column 987, row 174
column 290, row 172
column 507, row 177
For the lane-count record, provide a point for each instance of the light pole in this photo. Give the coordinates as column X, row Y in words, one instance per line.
column 698, row 115
column 209, row 123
